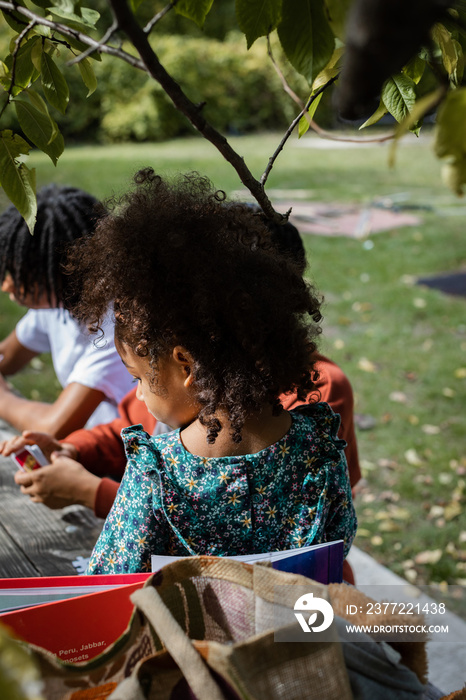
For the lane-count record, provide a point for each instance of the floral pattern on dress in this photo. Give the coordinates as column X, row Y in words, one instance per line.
column 293, row 493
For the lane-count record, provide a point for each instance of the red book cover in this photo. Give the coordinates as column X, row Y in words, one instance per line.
column 59, row 581
column 77, row 629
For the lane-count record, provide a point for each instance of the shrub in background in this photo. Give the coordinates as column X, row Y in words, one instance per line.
column 239, row 89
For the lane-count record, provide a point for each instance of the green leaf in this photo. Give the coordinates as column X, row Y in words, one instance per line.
column 40, row 128
column 337, row 13
column 42, row 3
column 258, row 17
column 450, row 134
column 304, row 121
column 18, row 182
column 457, row 75
column 135, row 4
column 196, row 10
column 25, row 71
column 306, row 37
column 40, row 104
column 88, row 75
column 399, row 96
column 36, row 55
column 414, row 69
column 54, row 84
column 412, row 120
column 81, row 47
column 63, row 5
column 330, row 71
column 380, row 112
column 16, row 21
column 454, row 175
column 36, row 100
column 448, row 47
column 42, row 31
column 86, row 20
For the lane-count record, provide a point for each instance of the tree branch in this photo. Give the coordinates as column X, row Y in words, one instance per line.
column 18, row 41
column 74, row 33
column 156, row 18
column 135, row 33
column 106, row 37
column 290, row 129
column 312, row 124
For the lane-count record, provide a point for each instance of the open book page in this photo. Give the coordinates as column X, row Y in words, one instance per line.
column 321, row 562
column 16, row 593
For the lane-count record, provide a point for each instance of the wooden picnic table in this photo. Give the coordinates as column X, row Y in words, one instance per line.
column 35, row 540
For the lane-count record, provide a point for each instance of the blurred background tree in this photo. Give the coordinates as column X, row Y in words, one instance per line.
column 186, row 66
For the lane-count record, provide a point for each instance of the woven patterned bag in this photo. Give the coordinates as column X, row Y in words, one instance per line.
column 203, row 628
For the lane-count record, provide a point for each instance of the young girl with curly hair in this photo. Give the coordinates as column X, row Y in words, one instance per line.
column 213, row 324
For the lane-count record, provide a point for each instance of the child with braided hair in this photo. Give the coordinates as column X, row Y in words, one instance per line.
column 214, row 326
column 92, row 378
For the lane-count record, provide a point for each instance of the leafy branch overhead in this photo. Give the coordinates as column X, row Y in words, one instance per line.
column 403, row 58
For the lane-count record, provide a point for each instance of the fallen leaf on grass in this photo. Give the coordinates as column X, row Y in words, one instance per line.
column 366, row 365
column 400, row 513
column 376, row 540
column 414, row 420
column 436, row 512
column 430, row 556
column 411, row 575
column 382, row 515
column 389, row 526
column 385, row 463
column 364, row 306
column 425, row 479
column 390, row 496
column 398, row 397
column 413, row 458
column 430, row 429
column 452, row 510
column 364, row 422
column 460, row 373
column 363, row 533
column 419, row 303
column 449, row 393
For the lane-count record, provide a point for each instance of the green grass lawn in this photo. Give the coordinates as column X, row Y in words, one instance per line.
column 403, row 346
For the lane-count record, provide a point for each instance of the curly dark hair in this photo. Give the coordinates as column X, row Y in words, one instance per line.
column 183, row 267
column 286, row 237
column 34, row 262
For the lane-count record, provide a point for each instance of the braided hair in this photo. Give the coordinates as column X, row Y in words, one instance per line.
column 34, row 262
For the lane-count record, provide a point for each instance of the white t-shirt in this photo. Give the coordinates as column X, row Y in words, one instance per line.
column 78, row 356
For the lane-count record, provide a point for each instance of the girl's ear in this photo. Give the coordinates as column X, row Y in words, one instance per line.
column 183, row 358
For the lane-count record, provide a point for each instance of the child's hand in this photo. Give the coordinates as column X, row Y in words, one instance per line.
column 47, row 444
column 62, row 483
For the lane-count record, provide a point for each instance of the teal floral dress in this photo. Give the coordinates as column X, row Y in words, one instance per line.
column 293, row 493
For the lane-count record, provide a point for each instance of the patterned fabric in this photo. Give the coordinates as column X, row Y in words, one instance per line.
column 293, row 493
